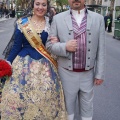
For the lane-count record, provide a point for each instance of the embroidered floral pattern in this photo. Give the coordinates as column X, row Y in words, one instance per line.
column 34, row 92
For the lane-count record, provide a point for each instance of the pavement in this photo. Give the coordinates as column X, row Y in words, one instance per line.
column 114, row 35
column 4, row 19
column 111, row 33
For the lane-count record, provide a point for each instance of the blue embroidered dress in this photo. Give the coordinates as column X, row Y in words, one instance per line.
column 34, row 91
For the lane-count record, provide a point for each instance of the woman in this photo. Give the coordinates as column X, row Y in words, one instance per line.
column 53, row 10
column 34, row 91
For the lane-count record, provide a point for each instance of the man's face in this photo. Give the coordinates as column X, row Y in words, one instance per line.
column 76, row 4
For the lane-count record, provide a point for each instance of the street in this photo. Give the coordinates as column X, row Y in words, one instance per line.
column 107, row 96
column 6, row 30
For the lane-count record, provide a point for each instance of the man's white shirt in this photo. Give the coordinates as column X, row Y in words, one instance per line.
column 78, row 16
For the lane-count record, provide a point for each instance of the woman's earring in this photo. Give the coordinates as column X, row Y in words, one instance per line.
column 33, row 12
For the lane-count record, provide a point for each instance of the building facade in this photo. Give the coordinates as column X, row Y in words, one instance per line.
column 103, row 6
column 116, row 10
column 95, row 5
column 90, row 2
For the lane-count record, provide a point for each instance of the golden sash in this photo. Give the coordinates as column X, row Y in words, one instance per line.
column 35, row 40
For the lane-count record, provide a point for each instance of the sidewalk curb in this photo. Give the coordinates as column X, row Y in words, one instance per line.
column 4, row 19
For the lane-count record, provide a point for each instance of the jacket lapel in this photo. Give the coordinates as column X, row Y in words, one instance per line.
column 89, row 21
column 68, row 21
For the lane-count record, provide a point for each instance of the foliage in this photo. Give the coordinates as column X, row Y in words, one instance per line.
column 117, row 8
column 61, row 3
column 22, row 4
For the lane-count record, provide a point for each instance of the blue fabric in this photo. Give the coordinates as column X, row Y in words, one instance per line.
column 24, row 20
column 22, row 47
column 36, row 91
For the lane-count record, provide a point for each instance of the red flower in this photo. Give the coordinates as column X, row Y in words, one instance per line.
column 5, row 69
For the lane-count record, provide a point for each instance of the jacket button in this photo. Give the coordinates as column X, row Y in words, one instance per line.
column 69, row 66
column 69, row 33
column 88, row 57
column 89, row 33
column 88, row 49
column 88, row 66
column 89, row 41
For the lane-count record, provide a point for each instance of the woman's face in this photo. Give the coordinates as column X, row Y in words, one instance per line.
column 40, row 7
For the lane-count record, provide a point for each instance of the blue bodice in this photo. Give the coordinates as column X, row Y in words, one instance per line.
column 22, row 47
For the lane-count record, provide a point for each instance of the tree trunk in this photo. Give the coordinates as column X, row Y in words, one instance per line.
column 112, row 6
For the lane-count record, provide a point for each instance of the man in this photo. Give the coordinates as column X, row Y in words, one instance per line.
column 109, row 21
column 81, row 52
column 106, row 21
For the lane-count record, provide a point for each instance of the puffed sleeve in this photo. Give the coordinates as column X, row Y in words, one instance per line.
column 17, row 46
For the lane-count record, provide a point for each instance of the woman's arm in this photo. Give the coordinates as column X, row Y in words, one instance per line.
column 17, row 46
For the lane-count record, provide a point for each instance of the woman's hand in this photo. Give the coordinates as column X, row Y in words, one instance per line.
column 54, row 39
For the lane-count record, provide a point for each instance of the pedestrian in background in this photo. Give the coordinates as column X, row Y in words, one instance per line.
column 53, row 10
column 106, row 22
column 7, row 13
column 118, row 18
column 110, row 23
column 0, row 11
column 34, row 91
column 52, row 13
column 81, row 55
column 13, row 13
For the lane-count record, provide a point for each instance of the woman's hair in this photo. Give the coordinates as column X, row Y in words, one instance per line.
column 27, row 13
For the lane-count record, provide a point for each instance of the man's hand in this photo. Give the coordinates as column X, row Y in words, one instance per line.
column 98, row 82
column 71, row 45
column 54, row 39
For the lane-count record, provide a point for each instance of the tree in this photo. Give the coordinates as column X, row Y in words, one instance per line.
column 22, row 3
column 112, row 6
column 61, row 3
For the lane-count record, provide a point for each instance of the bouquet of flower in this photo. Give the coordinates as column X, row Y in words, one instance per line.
column 5, row 72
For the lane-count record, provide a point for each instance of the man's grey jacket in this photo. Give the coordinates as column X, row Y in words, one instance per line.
column 95, row 56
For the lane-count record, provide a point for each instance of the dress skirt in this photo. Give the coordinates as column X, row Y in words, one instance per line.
column 34, row 92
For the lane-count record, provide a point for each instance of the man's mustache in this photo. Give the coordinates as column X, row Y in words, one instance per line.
column 77, row 1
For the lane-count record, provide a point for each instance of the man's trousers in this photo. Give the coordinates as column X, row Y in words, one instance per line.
column 78, row 85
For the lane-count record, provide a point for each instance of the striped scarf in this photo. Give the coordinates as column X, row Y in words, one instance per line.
column 79, row 57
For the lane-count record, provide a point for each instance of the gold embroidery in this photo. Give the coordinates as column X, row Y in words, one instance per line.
column 40, row 98
column 36, row 41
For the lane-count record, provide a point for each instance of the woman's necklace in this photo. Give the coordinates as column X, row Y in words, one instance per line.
column 39, row 27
